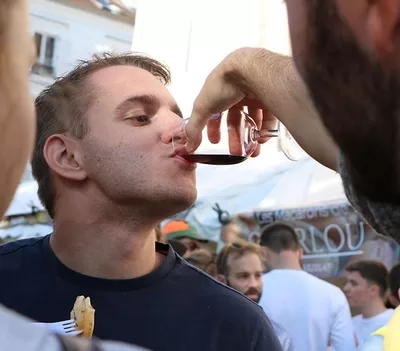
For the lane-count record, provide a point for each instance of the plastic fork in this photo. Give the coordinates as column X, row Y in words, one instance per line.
column 67, row 327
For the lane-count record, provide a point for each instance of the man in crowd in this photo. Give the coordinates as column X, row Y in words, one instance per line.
column 108, row 175
column 186, row 233
column 17, row 119
column 365, row 289
column 346, row 53
column 239, row 266
column 314, row 312
column 375, row 341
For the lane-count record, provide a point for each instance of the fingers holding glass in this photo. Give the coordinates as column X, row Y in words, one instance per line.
column 231, row 137
column 235, row 129
column 214, row 128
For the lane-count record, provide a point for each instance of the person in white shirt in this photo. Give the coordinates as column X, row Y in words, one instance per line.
column 365, row 289
column 375, row 342
column 313, row 311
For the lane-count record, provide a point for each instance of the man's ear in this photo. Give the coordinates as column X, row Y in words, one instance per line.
column 221, row 278
column 393, row 300
column 374, row 289
column 64, row 157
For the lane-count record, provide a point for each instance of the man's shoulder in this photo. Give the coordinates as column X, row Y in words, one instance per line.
column 303, row 278
column 213, row 291
column 332, row 290
column 22, row 245
column 13, row 246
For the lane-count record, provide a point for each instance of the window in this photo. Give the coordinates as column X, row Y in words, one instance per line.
column 44, row 64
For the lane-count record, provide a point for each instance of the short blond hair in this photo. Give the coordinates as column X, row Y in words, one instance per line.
column 236, row 249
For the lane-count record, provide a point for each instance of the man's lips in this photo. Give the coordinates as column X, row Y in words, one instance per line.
column 184, row 161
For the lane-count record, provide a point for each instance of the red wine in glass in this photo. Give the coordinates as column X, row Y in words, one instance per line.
column 245, row 140
column 211, row 159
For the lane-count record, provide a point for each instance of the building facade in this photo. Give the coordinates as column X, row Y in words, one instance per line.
column 68, row 30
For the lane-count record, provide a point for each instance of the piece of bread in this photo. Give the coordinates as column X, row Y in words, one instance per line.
column 83, row 314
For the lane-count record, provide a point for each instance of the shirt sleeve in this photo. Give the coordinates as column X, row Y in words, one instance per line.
column 383, row 217
column 266, row 338
column 342, row 332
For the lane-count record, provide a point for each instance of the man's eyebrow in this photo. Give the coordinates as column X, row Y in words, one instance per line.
column 145, row 99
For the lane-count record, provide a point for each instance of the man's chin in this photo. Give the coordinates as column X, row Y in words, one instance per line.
column 255, row 298
column 181, row 202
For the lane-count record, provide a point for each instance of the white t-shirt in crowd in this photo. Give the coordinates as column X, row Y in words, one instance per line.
column 364, row 327
column 311, row 310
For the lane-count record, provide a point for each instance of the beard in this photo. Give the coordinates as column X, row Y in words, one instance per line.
column 251, row 291
column 358, row 99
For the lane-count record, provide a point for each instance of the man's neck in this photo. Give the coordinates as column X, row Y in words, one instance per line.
column 286, row 260
column 373, row 308
column 288, row 265
column 101, row 247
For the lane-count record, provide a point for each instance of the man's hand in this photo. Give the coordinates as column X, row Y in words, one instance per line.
column 226, row 89
column 269, row 85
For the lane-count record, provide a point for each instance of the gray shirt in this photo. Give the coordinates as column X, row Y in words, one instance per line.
column 19, row 333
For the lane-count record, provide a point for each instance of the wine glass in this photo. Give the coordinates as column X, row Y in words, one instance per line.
column 289, row 145
column 233, row 142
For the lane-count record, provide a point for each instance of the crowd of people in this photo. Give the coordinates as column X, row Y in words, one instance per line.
column 318, row 312
column 107, row 173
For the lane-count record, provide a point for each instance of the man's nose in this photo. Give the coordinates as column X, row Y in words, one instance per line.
column 174, row 131
column 253, row 282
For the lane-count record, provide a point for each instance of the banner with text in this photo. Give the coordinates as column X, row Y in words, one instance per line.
column 331, row 237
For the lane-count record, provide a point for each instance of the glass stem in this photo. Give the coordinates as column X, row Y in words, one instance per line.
column 266, row 133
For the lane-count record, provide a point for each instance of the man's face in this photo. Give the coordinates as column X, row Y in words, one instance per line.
column 245, row 275
column 191, row 244
column 349, row 61
column 358, row 290
column 128, row 154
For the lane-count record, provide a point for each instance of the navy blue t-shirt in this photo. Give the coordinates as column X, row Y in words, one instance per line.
column 176, row 307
